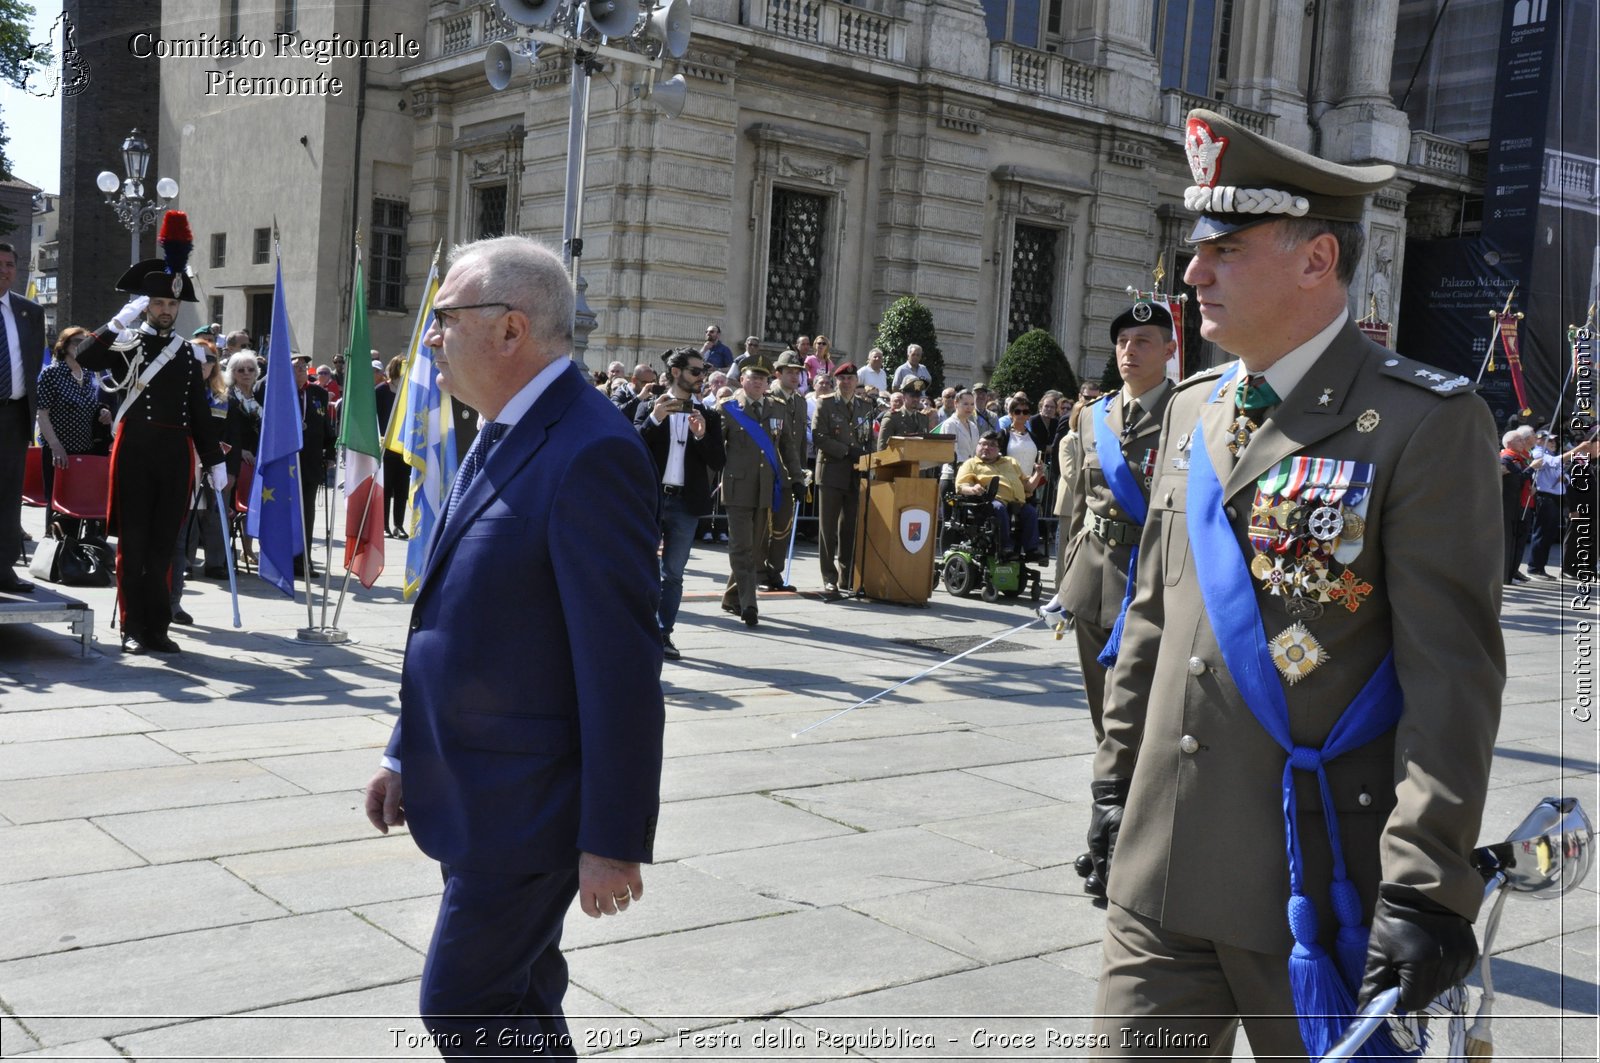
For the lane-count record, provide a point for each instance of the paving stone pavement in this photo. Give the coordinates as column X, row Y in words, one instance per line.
column 186, row 872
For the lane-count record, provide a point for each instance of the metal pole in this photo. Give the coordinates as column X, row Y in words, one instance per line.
column 577, row 142
column 133, row 247
column 305, row 537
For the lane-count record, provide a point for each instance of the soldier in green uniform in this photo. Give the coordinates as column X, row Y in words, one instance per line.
column 1313, row 651
column 842, row 432
column 751, row 477
column 910, row 419
column 1105, row 504
column 785, row 396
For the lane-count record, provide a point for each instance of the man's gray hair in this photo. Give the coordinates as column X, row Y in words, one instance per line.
column 1349, row 235
column 527, row 275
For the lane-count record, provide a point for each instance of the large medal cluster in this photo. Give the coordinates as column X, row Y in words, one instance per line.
column 1307, row 513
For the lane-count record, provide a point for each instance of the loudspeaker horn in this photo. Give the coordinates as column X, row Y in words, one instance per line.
column 613, row 18
column 669, row 96
column 537, row 13
column 502, row 63
column 671, row 24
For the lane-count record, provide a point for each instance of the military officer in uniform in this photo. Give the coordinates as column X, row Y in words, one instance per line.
column 752, row 471
column 163, row 416
column 1302, row 565
column 842, row 432
column 790, row 438
column 1104, row 509
column 910, row 419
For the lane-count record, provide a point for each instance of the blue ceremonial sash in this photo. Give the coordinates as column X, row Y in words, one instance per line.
column 753, row 428
column 1323, row 989
column 1108, row 448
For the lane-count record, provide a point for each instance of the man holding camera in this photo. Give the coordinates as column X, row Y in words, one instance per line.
column 685, row 441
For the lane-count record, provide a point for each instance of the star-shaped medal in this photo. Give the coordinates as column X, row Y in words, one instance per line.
column 1327, row 397
column 1295, row 653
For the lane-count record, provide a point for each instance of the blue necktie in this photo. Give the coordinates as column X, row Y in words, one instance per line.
column 477, row 454
column 5, row 357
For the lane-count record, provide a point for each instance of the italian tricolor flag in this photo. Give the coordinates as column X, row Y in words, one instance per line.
column 359, row 438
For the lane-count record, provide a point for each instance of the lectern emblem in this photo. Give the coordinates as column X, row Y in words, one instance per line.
column 914, row 525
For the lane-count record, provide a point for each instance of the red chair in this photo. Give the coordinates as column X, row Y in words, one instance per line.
column 241, row 509
column 82, row 488
column 33, row 478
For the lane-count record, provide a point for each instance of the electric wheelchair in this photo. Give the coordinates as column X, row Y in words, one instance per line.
column 972, row 559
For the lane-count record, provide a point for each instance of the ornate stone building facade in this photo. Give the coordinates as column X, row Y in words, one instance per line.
column 1011, row 164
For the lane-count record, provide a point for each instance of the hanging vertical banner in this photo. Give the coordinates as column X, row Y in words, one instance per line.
column 1508, row 343
column 1527, row 68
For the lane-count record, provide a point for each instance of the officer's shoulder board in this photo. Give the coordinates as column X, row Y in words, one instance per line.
column 1426, row 377
column 1203, row 376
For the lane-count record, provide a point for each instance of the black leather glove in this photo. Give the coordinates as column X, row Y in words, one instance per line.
column 1105, row 821
column 1422, row 947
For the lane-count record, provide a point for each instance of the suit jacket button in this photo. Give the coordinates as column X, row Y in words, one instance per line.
column 1189, row 744
column 416, row 624
column 1233, row 514
column 1168, row 502
column 1364, row 799
column 1197, row 666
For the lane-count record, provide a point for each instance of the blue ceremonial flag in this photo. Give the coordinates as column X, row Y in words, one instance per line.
column 422, row 430
column 276, row 520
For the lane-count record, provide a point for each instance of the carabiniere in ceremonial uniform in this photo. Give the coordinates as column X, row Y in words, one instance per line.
column 163, row 417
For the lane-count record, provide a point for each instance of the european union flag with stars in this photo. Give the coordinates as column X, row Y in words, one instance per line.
column 275, row 519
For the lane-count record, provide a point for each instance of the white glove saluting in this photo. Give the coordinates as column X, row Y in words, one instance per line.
column 218, row 475
column 129, row 315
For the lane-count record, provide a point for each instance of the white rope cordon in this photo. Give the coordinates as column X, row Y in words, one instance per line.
column 1231, row 199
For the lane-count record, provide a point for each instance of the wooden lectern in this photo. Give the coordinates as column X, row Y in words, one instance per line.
column 897, row 521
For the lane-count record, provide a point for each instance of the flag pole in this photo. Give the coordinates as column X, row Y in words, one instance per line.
column 361, row 532
column 227, row 553
column 305, row 544
column 327, row 546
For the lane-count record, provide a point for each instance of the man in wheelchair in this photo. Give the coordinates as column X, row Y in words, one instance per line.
column 991, row 476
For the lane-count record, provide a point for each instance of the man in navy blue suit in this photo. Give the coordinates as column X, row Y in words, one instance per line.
column 531, row 763
column 21, row 354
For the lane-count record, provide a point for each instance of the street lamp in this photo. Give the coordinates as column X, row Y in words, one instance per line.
column 126, row 195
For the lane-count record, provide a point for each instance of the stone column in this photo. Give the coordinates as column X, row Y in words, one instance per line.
column 1264, row 71
column 1364, row 125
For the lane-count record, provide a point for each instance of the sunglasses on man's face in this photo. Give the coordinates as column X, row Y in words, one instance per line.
column 693, row 370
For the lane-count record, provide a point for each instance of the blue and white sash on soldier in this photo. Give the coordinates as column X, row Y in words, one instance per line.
column 1323, row 986
column 754, row 430
column 1124, row 488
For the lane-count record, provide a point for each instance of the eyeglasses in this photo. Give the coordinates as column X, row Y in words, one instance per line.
column 1023, row 409
column 447, row 316
column 693, row 370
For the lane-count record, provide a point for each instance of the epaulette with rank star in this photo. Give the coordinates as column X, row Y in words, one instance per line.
column 1426, row 376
